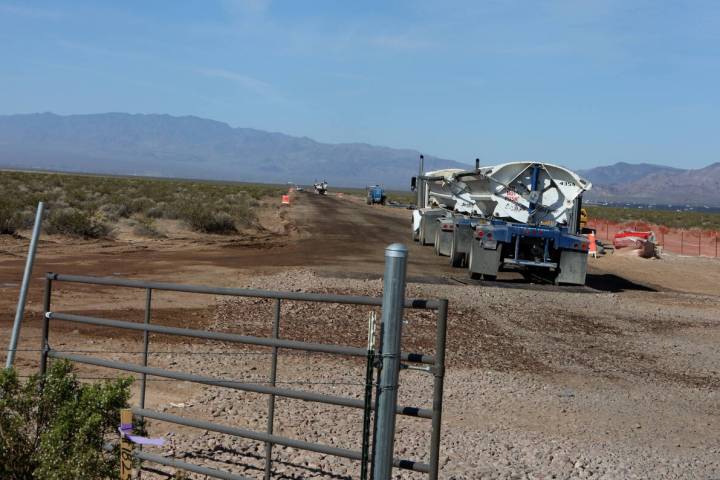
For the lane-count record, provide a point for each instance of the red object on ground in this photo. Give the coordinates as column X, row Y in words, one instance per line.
column 286, row 199
column 631, row 238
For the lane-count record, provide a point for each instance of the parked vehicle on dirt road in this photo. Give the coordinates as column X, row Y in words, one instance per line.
column 521, row 215
column 375, row 194
column 321, row 187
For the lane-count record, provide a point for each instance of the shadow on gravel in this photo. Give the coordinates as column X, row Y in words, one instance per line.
column 608, row 282
column 235, row 453
column 594, row 282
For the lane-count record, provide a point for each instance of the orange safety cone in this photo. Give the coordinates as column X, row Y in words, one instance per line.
column 592, row 246
column 286, row 199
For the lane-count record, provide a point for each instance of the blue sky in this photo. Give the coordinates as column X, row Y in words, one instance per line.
column 580, row 83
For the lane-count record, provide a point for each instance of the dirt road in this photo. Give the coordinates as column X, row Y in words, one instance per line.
column 617, row 380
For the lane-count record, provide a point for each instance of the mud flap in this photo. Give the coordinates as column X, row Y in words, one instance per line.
column 573, row 267
column 483, row 261
column 443, row 243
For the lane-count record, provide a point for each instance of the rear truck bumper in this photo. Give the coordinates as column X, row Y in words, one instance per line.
column 499, row 243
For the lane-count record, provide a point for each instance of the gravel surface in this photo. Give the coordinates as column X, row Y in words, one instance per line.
column 618, row 380
column 557, row 385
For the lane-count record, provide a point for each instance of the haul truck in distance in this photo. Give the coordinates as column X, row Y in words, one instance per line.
column 516, row 216
column 375, row 194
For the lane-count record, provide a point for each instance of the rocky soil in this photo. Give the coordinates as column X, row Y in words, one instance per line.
column 617, row 380
column 558, row 385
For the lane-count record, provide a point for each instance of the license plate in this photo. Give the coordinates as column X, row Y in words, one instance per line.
column 490, row 244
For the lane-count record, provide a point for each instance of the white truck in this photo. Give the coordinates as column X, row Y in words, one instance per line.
column 521, row 215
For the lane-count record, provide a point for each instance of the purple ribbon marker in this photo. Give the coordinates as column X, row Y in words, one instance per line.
column 126, row 428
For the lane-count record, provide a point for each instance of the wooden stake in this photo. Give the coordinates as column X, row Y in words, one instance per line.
column 126, row 418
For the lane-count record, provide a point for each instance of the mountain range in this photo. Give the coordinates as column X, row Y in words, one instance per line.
column 654, row 184
column 193, row 147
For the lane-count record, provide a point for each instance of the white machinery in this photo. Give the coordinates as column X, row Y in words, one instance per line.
column 520, row 214
column 321, row 187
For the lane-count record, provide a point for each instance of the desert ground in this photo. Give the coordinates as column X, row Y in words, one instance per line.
column 618, row 379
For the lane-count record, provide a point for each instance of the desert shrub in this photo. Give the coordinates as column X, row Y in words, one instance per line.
column 239, row 206
column 26, row 218
column 145, row 227
column 203, row 219
column 10, row 217
column 58, row 432
column 225, row 206
column 159, row 210
column 669, row 218
column 112, row 212
column 71, row 221
column 140, row 204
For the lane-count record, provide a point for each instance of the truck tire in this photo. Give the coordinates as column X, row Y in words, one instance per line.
column 473, row 275
column 489, row 278
column 423, row 240
column 456, row 258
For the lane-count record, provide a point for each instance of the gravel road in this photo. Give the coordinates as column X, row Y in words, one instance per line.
column 611, row 382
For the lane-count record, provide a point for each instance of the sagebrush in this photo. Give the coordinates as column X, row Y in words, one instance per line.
column 56, row 428
column 89, row 205
column 667, row 218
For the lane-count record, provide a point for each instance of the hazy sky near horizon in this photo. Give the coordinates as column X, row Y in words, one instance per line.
column 576, row 82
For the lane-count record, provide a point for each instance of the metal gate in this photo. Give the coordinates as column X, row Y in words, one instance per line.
column 387, row 361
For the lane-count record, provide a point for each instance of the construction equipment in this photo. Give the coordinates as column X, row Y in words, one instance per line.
column 321, row 187
column 375, row 194
column 519, row 215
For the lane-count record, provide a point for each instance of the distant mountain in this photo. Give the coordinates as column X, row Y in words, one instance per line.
column 163, row 145
column 192, row 147
column 622, row 173
column 655, row 184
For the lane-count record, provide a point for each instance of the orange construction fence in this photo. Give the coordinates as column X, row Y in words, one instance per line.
column 691, row 241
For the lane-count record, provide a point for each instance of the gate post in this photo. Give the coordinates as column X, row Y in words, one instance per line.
column 392, row 312
column 126, row 419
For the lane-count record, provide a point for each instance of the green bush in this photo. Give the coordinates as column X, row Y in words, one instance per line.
column 71, row 221
column 55, row 428
column 668, row 218
column 90, row 201
column 202, row 219
column 159, row 210
column 141, row 204
column 10, row 217
column 145, row 227
column 114, row 211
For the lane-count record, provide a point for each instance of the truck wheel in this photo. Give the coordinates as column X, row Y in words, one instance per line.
column 490, row 278
column 423, row 240
column 456, row 258
column 473, row 275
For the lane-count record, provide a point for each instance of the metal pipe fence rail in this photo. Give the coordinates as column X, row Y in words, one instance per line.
column 435, row 365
